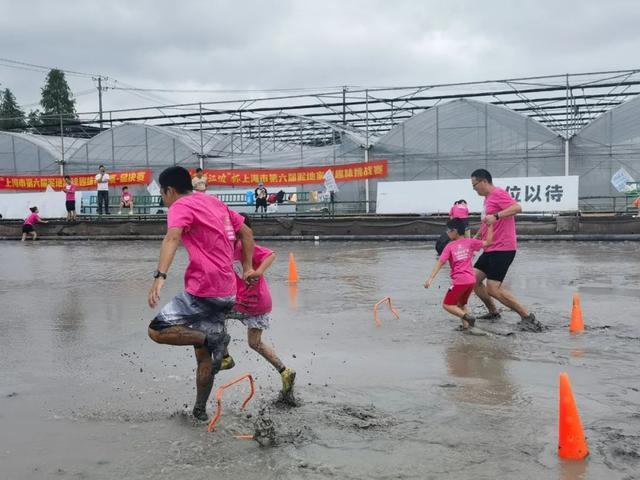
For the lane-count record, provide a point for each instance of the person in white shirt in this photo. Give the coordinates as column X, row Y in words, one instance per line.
column 102, row 181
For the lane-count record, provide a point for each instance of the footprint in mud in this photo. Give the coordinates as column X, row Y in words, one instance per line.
column 359, row 417
column 620, row 450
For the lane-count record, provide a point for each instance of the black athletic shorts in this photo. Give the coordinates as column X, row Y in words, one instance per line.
column 71, row 205
column 495, row 265
column 27, row 228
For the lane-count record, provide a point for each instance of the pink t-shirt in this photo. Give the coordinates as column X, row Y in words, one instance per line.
column 459, row 211
column 208, row 234
column 70, row 191
column 254, row 299
column 126, row 197
column 504, row 230
column 31, row 219
column 459, row 254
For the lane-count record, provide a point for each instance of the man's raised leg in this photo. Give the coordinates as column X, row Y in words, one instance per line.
column 482, row 293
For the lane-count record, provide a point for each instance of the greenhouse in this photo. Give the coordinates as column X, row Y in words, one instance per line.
column 583, row 125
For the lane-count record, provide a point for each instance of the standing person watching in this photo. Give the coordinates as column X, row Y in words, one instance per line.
column 261, row 198
column 70, row 198
column 499, row 210
column 102, row 181
column 199, row 181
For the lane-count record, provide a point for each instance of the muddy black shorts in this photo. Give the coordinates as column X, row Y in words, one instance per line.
column 71, row 205
column 495, row 265
column 27, row 228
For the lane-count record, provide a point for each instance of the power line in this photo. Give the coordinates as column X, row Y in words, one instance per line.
column 7, row 62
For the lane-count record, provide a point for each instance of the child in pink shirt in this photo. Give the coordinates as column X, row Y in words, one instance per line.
column 30, row 221
column 459, row 253
column 126, row 200
column 460, row 210
column 253, row 308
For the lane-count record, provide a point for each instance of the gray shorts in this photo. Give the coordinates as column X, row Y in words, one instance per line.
column 261, row 322
column 204, row 314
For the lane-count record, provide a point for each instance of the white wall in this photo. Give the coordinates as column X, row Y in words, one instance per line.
column 51, row 204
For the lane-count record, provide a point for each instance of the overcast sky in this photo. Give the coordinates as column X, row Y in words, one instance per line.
column 261, row 44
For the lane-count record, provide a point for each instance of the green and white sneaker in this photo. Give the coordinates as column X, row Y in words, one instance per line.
column 288, row 379
column 227, row 363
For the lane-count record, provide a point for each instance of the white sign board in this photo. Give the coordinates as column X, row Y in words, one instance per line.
column 620, row 179
column 535, row 194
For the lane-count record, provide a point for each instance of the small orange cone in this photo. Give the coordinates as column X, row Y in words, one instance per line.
column 293, row 273
column 571, row 442
column 577, row 323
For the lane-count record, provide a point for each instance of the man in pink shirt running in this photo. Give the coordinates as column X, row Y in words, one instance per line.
column 499, row 210
column 208, row 230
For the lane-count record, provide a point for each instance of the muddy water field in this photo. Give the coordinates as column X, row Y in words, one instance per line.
column 85, row 394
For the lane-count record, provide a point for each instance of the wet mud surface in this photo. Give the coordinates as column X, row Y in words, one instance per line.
column 85, row 394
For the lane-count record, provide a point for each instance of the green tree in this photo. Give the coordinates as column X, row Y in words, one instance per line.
column 33, row 119
column 11, row 116
column 57, row 97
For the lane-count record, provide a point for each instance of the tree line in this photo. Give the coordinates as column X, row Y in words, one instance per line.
column 56, row 100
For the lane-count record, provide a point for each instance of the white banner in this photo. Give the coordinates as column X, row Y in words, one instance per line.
column 620, row 179
column 330, row 184
column 535, row 194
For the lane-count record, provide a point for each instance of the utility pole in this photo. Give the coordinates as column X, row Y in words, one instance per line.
column 99, row 79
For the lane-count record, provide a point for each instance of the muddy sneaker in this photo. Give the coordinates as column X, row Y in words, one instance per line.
column 470, row 319
column 530, row 324
column 490, row 316
column 200, row 413
column 227, row 363
column 288, row 379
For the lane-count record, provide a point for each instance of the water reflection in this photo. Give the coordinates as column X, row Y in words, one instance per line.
column 481, row 364
column 572, row 470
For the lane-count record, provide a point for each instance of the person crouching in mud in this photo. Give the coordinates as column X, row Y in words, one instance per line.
column 208, row 230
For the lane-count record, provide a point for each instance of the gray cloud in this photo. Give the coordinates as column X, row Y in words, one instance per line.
column 284, row 44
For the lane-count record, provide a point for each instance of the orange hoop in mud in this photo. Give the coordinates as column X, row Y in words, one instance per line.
column 219, row 393
column 386, row 300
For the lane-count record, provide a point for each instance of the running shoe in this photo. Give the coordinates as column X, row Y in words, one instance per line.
column 470, row 319
column 227, row 363
column 530, row 324
column 200, row 413
column 288, row 379
column 490, row 316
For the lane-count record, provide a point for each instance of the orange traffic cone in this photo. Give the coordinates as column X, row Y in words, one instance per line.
column 577, row 323
column 293, row 273
column 571, row 442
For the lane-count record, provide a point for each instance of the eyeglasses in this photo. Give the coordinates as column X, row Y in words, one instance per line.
column 473, row 184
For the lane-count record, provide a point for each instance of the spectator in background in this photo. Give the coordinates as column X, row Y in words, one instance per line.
column 261, row 198
column 70, row 198
column 461, row 211
column 199, row 181
column 636, row 203
column 102, row 181
column 126, row 200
